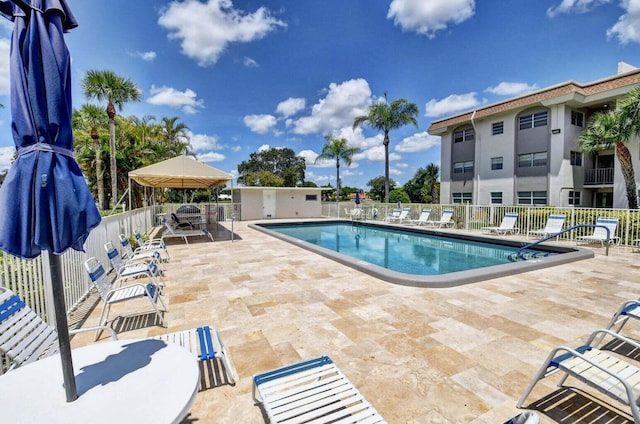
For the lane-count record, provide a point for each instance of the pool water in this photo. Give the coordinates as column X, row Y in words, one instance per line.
column 401, row 251
column 418, row 257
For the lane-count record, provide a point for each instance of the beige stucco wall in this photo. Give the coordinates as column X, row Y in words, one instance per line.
column 291, row 202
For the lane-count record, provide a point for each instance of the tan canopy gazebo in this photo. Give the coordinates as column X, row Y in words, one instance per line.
column 180, row 172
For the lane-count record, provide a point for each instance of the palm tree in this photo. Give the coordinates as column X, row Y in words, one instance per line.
column 431, row 182
column 385, row 117
column 604, row 131
column 116, row 91
column 337, row 148
column 91, row 118
column 174, row 137
column 630, row 111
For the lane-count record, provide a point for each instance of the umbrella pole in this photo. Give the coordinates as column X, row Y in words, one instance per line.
column 62, row 327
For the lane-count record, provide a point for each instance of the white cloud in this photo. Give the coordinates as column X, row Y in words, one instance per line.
column 169, row 96
column 146, row 56
column 628, row 26
column 511, row 88
column 452, row 103
column 260, row 124
column 574, row 6
column 343, row 102
column 211, row 157
column 429, row 17
column 250, row 63
column 5, row 47
column 200, row 142
column 375, row 154
column 291, row 106
column 310, row 157
column 419, row 142
column 263, row 148
column 205, row 29
column 6, row 157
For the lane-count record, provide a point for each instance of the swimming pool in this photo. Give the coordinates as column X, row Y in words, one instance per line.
column 416, row 256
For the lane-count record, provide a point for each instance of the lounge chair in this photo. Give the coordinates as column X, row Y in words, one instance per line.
column 629, row 309
column 24, row 336
column 553, row 226
column 312, row 391
column 150, row 268
column 600, row 369
column 600, row 233
column 169, row 231
column 394, row 215
column 508, row 225
column 422, row 219
column 27, row 338
column 401, row 216
column 206, row 344
column 177, row 223
column 116, row 292
column 139, row 254
column 142, row 251
column 445, row 220
column 151, row 244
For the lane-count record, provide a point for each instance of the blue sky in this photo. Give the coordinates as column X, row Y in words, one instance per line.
column 248, row 75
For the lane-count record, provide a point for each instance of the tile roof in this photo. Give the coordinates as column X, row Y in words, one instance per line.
column 600, row 86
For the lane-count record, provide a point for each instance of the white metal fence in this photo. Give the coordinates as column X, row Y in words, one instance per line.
column 474, row 217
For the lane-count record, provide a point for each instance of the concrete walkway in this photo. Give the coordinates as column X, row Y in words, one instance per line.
column 454, row 355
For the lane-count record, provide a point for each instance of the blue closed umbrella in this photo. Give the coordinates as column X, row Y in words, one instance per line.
column 45, row 203
column 357, row 200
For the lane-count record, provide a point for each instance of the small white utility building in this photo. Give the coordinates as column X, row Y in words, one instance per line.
column 278, row 202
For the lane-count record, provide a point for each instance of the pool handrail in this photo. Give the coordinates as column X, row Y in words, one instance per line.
column 552, row 236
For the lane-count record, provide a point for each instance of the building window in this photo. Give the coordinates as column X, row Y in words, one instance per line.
column 532, row 197
column 496, row 197
column 533, row 120
column 574, row 198
column 462, row 197
column 311, row 197
column 576, row 158
column 496, row 163
column 577, row 118
column 463, row 135
column 528, row 160
column 463, row 167
column 497, row 128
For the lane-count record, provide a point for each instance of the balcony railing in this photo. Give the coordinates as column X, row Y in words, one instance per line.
column 598, row 176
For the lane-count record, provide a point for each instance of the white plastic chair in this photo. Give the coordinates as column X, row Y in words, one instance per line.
column 553, row 226
column 116, row 293
column 508, row 225
column 24, row 336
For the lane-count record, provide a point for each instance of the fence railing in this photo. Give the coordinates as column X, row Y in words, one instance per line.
column 598, row 176
column 474, row 217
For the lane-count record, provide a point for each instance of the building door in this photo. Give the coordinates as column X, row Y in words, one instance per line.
column 604, row 200
column 268, row 203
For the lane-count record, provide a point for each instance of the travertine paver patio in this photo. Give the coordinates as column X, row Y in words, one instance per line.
column 453, row 355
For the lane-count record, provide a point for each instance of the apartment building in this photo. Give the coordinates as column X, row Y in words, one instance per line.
column 524, row 151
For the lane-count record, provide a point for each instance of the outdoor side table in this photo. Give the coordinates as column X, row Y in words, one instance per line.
column 135, row 381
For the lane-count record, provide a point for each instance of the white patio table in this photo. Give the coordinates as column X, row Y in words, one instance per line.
column 125, row 381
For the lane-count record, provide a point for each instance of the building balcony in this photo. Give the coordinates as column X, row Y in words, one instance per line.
column 598, row 176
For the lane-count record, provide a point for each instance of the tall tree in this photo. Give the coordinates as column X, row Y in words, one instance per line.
column 116, row 91
column 338, row 149
column 377, row 185
column 385, row 116
column 91, row 118
column 630, row 111
column 174, row 137
column 608, row 130
column 281, row 162
column 431, row 185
